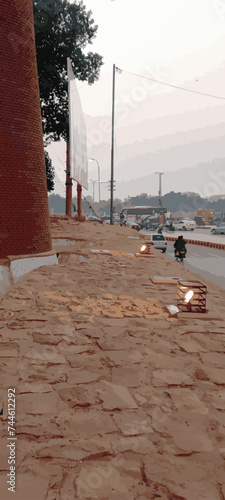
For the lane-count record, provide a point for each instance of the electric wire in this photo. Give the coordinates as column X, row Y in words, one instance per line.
column 170, row 85
column 57, row 155
column 61, row 164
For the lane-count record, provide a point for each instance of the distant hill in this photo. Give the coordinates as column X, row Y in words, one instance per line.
column 174, row 202
column 187, row 146
column 57, row 203
column 206, row 179
column 191, row 195
column 216, row 198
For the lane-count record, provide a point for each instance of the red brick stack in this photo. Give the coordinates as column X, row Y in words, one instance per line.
column 24, row 213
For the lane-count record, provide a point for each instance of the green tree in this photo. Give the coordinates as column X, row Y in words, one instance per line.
column 62, row 30
column 50, row 174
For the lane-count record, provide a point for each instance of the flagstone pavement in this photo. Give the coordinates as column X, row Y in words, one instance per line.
column 114, row 398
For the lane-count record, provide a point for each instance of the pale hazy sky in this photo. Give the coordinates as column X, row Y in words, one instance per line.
column 180, row 42
column 149, row 35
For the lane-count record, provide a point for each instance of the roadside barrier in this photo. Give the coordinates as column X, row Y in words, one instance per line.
column 210, row 244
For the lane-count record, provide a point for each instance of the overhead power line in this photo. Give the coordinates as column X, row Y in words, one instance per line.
column 170, row 85
column 57, row 155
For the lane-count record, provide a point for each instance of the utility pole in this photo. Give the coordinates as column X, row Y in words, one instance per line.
column 160, row 186
column 160, row 182
column 112, row 146
column 160, row 193
column 93, row 182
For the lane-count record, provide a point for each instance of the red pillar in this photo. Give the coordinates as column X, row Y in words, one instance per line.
column 79, row 215
column 79, row 200
column 24, row 212
column 68, row 183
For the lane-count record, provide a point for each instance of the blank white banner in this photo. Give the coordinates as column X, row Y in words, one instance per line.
column 77, row 133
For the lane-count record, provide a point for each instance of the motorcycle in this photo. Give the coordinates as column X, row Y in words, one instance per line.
column 170, row 227
column 180, row 255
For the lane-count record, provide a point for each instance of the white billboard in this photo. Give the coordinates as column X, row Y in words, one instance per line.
column 77, row 133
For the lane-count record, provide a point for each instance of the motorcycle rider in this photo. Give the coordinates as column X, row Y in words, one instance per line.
column 179, row 246
column 169, row 225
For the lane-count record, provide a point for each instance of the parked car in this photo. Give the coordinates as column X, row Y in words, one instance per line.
column 148, row 226
column 199, row 221
column 94, row 219
column 218, row 229
column 185, row 225
column 133, row 225
column 159, row 241
column 152, row 227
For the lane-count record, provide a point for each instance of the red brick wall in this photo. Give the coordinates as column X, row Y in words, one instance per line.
column 24, row 213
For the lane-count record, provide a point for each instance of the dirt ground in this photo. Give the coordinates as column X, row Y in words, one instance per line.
column 115, row 399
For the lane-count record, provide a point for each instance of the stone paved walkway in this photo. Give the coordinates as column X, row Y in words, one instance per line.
column 114, row 399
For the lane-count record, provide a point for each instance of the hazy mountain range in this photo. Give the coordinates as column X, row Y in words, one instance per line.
column 190, row 161
column 175, row 132
column 174, row 202
column 178, row 133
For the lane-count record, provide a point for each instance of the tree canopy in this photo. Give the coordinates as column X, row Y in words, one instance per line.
column 62, row 30
column 50, row 174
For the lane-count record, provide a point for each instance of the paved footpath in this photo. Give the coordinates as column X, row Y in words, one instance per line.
column 114, row 399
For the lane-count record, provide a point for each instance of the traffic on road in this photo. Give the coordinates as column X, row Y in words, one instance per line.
column 207, row 262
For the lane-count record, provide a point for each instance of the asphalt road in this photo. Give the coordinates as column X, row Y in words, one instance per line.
column 197, row 234
column 207, row 262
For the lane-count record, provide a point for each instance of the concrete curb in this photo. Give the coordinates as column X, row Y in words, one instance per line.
column 16, row 266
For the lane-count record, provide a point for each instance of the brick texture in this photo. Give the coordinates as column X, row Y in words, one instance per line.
column 24, row 213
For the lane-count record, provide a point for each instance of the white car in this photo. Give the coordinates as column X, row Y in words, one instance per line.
column 185, row 225
column 159, row 241
column 218, row 229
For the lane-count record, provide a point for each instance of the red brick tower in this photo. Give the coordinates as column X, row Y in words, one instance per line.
column 24, row 213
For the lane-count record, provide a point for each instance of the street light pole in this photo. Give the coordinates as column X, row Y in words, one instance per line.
column 93, row 159
column 112, row 146
column 93, row 182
